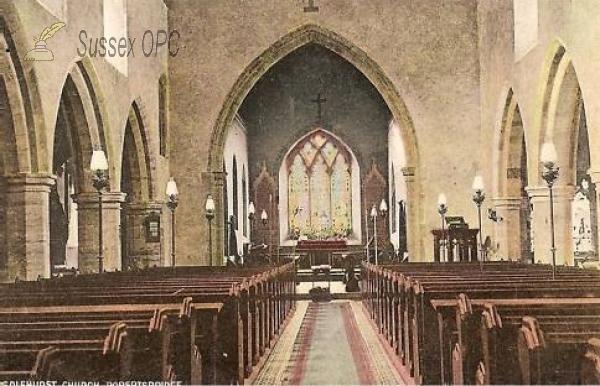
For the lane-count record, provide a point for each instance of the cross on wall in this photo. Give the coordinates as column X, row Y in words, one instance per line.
column 311, row 7
column 319, row 101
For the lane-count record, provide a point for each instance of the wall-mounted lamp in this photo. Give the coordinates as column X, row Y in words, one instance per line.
column 492, row 215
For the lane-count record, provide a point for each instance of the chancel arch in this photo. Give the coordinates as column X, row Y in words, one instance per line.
column 317, row 35
column 319, row 185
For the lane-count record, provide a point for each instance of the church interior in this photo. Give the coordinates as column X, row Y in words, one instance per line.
column 300, row 191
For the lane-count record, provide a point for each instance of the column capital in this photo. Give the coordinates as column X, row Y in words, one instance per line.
column 507, row 202
column 156, row 206
column 89, row 200
column 537, row 192
column 561, row 192
column 28, row 182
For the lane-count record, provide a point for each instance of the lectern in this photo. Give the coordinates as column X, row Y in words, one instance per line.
column 458, row 241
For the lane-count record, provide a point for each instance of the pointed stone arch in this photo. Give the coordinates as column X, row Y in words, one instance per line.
column 10, row 162
column 513, row 236
column 312, row 33
column 84, row 76
column 560, row 108
column 75, row 107
column 83, row 114
column 546, row 82
column 136, row 143
column 20, row 151
column 138, row 250
column 511, row 148
column 558, row 120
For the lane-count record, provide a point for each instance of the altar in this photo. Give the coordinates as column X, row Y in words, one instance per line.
column 319, row 252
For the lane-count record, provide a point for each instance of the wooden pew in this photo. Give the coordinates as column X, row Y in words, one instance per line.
column 252, row 305
column 399, row 301
column 487, row 334
column 147, row 331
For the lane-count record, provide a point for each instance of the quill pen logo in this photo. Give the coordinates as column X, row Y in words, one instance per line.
column 40, row 52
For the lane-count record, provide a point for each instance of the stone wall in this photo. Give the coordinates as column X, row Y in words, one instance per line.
column 428, row 51
column 568, row 25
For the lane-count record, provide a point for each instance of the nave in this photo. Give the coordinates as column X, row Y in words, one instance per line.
column 413, row 323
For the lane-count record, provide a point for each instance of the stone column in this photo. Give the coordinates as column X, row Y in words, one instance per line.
column 213, row 183
column 540, row 225
column 563, row 224
column 143, row 252
column 563, row 198
column 413, row 227
column 3, row 231
column 595, row 218
column 27, row 238
column 87, row 205
column 508, row 230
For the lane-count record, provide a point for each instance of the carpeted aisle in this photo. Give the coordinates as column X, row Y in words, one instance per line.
column 334, row 344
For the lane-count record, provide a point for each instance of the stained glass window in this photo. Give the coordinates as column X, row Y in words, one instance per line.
column 298, row 195
column 320, row 188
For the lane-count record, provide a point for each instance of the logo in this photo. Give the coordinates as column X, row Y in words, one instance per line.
column 124, row 46
column 40, row 52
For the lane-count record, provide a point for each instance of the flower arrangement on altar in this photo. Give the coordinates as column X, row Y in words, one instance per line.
column 321, row 234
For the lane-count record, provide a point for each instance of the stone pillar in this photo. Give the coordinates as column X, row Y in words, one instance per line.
column 87, row 205
column 508, row 230
column 213, row 183
column 143, row 251
column 540, row 226
column 3, row 231
column 27, row 238
column 563, row 198
column 413, row 227
column 595, row 218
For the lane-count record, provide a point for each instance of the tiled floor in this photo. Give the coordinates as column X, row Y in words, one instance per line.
column 274, row 370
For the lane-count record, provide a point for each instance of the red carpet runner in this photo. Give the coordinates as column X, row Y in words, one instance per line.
column 329, row 343
column 330, row 349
